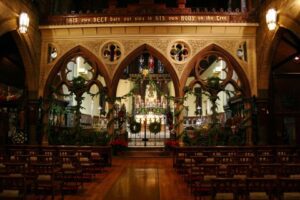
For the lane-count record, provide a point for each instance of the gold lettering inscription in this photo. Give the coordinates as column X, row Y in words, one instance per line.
column 149, row 18
column 138, row 19
column 221, row 18
column 187, row 18
column 85, row 20
column 209, row 18
column 127, row 19
column 114, row 19
column 160, row 18
column 173, row 18
column 72, row 20
column 200, row 18
column 100, row 19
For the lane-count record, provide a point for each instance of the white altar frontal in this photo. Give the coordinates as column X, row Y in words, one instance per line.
column 150, row 117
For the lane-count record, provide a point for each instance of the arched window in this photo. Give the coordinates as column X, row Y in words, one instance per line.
column 214, row 96
column 78, row 90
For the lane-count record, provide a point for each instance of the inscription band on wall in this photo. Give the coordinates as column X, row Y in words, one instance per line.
column 135, row 19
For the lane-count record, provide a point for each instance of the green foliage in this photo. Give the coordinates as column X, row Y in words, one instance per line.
column 213, row 136
column 78, row 83
column 213, row 82
column 135, row 127
column 186, row 139
column 155, row 127
column 99, row 138
column 195, row 137
column 234, row 140
column 216, row 136
column 61, row 136
column 68, row 136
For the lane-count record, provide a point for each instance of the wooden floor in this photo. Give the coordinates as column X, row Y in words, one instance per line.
column 135, row 178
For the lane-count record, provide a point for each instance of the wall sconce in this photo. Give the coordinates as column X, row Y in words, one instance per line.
column 271, row 19
column 23, row 22
column 240, row 53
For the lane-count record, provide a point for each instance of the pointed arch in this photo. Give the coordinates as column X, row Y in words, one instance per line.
column 76, row 51
column 168, row 66
column 28, row 54
column 220, row 51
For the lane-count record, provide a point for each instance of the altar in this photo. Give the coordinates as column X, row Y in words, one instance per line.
column 150, row 104
column 151, row 108
column 150, row 117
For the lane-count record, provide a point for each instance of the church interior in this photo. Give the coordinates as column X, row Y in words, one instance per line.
column 152, row 99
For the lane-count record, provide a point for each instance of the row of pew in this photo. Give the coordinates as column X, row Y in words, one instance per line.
column 268, row 172
column 49, row 170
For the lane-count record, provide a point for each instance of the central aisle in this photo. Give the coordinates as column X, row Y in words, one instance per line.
column 136, row 178
column 136, row 184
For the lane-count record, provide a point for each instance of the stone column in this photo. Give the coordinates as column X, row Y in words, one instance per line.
column 110, row 117
column 263, row 118
column 179, row 118
column 249, row 107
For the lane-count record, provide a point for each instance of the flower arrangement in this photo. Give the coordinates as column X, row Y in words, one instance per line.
column 170, row 144
column 18, row 137
column 119, row 145
column 145, row 73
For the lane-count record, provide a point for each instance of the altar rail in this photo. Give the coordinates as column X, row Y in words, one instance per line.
column 105, row 152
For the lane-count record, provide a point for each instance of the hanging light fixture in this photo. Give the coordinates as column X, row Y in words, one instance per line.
column 23, row 22
column 271, row 19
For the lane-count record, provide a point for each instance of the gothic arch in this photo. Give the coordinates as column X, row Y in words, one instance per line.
column 168, row 66
column 213, row 48
column 269, row 39
column 27, row 50
column 76, row 51
column 28, row 55
column 8, row 25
